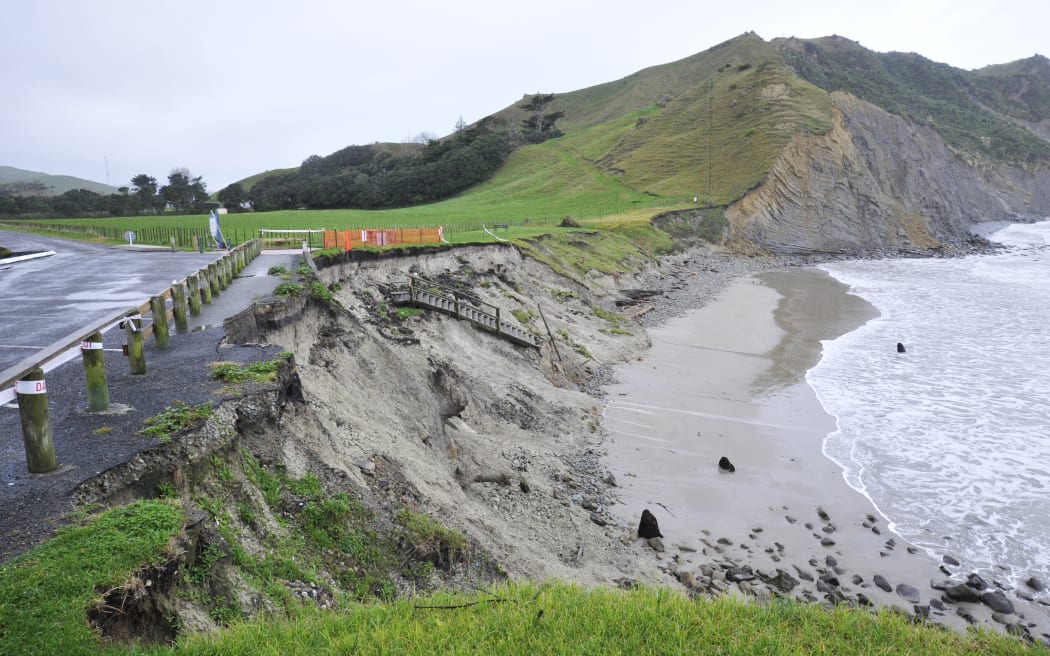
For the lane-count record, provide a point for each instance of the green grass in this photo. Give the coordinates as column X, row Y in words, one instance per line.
column 562, row 619
column 176, row 417
column 235, row 372
column 45, row 594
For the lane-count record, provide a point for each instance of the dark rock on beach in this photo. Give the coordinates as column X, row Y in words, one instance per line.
column 744, row 573
column 649, row 527
column 725, row 465
column 882, row 583
column 909, row 592
column 998, row 602
column 963, row 592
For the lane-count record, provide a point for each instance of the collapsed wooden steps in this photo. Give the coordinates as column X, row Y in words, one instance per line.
column 423, row 293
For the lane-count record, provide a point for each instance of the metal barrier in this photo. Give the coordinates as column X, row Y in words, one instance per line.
column 27, row 376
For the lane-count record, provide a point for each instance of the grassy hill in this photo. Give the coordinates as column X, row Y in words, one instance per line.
column 59, row 184
column 709, row 127
column 981, row 113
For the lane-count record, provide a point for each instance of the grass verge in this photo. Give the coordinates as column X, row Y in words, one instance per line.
column 563, row 619
column 45, row 594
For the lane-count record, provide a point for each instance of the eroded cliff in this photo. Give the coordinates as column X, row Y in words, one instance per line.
column 877, row 182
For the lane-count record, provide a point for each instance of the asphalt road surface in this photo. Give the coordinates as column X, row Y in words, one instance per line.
column 44, row 299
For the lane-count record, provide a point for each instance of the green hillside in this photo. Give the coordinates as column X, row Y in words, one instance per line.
column 979, row 113
column 708, row 126
column 57, row 184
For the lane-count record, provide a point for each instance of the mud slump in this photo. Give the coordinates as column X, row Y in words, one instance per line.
column 407, row 451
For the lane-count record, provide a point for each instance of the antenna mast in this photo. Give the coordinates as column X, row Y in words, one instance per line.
column 106, row 158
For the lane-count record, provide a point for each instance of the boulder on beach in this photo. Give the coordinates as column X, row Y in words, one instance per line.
column 998, row 602
column 649, row 527
column 725, row 465
column 963, row 592
column 900, row 347
column 909, row 592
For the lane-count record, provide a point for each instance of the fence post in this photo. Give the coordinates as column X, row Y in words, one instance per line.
column 36, row 422
column 205, row 275
column 499, row 332
column 95, row 372
column 159, row 308
column 193, row 281
column 136, row 353
column 178, row 295
column 213, row 277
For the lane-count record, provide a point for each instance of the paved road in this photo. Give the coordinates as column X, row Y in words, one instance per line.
column 45, row 299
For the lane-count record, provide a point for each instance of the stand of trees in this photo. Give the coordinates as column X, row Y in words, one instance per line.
column 367, row 177
column 184, row 194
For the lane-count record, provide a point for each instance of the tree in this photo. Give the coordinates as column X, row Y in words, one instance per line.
column 540, row 125
column 145, row 189
column 184, row 192
column 232, row 196
column 460, row 124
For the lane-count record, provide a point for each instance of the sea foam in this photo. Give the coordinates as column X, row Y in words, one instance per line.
column 951, row 439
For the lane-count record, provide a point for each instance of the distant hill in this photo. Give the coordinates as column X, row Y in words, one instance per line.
column 808, row 145
column 712, row 124
column 58, row 184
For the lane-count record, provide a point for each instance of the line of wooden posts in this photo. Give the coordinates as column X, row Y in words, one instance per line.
column 187, row 296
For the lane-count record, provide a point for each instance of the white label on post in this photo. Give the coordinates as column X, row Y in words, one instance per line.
column 90, row 346
column 31, row 387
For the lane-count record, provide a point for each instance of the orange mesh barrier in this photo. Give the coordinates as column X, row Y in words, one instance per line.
column 350, row 239
column 331, row 238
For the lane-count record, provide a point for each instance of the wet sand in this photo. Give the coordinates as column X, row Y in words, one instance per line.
column 729, row 380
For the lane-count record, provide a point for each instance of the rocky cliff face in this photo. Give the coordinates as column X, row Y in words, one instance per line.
column 877, row 182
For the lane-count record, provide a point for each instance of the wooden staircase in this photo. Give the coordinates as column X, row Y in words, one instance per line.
column 424, row 293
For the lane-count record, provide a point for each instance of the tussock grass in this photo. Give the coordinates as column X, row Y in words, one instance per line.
column 563, row 619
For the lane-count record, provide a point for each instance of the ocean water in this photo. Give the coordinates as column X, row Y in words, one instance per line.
column 951, row 440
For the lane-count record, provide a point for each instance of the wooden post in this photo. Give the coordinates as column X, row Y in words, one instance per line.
column 499, row 333
column 549, row 334
column 228, row 267
column 213, row 276
column 36, row 422
column 178, row 294
column 220, row 268
column 194, row 283
column 205, row 274
column 95, row 371
column 136, row 353
column 412, row 288
column 159, row 308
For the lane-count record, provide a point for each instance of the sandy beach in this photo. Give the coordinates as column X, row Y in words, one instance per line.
column 728, row 380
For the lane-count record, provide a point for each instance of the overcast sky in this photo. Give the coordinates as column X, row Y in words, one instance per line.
column 229, row 88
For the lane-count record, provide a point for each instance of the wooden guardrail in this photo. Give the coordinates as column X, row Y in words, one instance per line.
column 27, row 376
column 427, row 293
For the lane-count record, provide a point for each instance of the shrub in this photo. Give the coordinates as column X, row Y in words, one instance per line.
column 288, row 289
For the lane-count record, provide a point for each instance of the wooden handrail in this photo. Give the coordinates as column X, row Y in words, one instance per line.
column 18, row 371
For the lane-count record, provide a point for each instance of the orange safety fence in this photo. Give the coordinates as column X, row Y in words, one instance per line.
column 350, row 239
